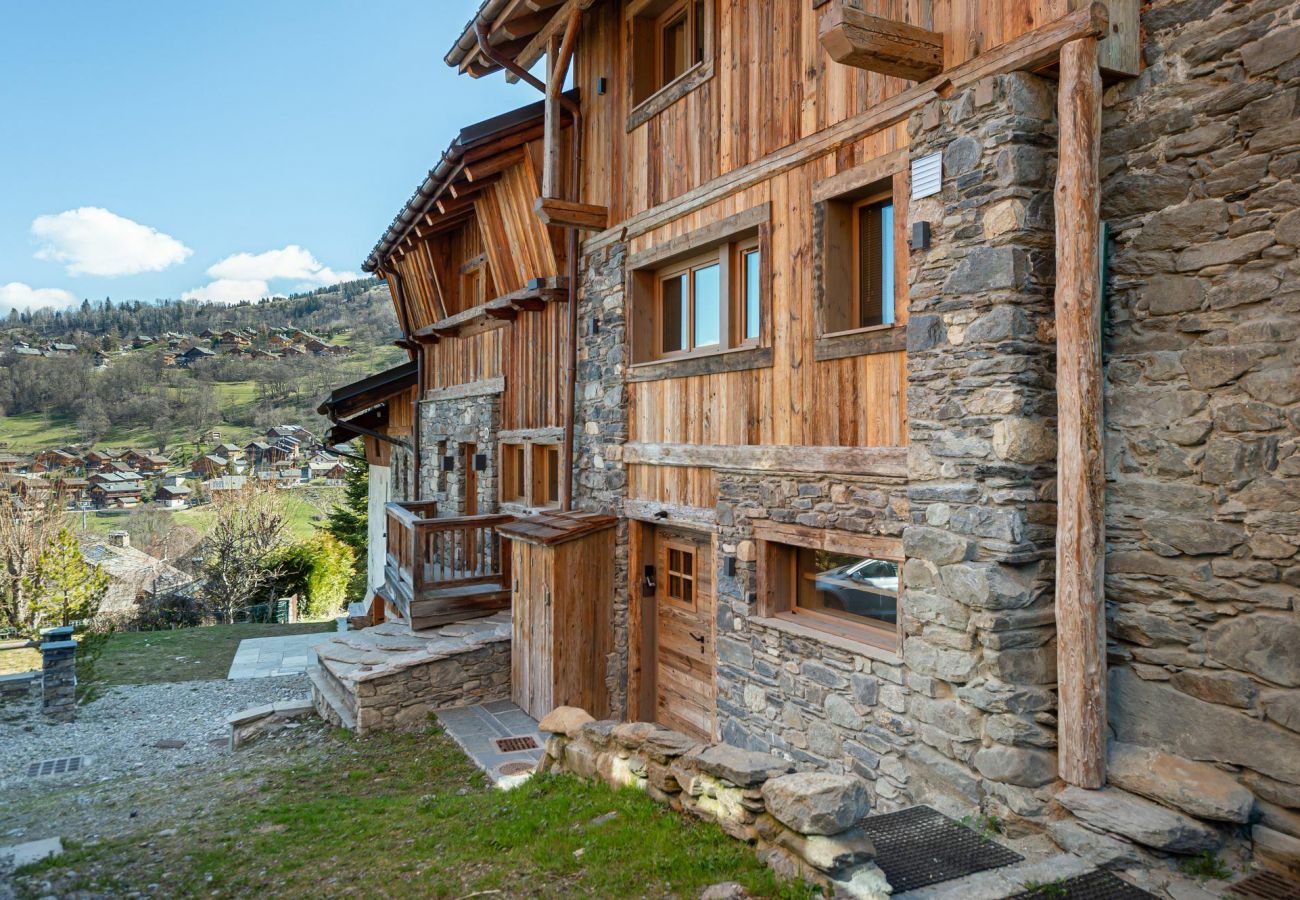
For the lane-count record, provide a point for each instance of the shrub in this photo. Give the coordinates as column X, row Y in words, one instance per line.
column 319, row 570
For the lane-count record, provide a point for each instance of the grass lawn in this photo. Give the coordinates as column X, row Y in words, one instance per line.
column 305, row 510
column 180, row 654
column 409, row 816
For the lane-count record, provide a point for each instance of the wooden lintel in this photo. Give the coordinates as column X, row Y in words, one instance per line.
column 580, row 215
column 878, row 462
column 1081, row 475
column 856, row 38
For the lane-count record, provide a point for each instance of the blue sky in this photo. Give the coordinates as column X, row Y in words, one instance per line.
column 154, row 149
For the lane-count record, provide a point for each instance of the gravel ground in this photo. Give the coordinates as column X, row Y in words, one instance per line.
column 117, row 732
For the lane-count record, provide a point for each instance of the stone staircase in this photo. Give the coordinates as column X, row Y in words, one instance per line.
column 388, row 678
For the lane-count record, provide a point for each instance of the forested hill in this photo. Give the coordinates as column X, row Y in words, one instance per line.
column 352, row 305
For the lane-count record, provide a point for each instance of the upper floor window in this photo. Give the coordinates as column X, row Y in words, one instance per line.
column 860, row 259
column 546, row 475
column 688, row 301
column 671, row 45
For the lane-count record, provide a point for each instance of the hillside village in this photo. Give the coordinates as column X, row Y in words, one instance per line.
column 185, row 350
column 285, row 456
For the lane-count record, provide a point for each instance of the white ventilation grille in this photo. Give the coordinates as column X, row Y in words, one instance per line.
column 927, row 175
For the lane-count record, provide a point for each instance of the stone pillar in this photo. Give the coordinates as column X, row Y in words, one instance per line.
column 601, row 429
column 982, row 448
column 59, row 673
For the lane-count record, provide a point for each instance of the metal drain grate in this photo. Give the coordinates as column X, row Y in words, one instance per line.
column 1266, row 886
column 515, row 744
column 1089, row 886
column 46, row 767
column 920, row 846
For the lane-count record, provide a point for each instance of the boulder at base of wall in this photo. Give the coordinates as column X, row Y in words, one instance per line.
column 1197, row 789
column 1147, row 823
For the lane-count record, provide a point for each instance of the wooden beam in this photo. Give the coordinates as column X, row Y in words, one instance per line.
column 459, row 189
column 580, row 215
column 880, row 462
column 1081, row 481
column 858, row 39
column 560, row 71
column 552, row 138
column 477, row 171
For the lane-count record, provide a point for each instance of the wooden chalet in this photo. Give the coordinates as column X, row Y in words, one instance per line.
column 55, row 460
column 793, row 312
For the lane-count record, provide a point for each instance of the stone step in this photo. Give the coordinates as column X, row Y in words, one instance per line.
column 329, row 700
column 996, row 884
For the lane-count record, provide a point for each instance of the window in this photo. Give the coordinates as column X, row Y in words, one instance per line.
column 671, row 42
column 545, row 475
column 860, row 258
column 843, row 584
column 679, row 569
column 512, row 473
column 690, row 305
column 689, row 301
column 472, row 292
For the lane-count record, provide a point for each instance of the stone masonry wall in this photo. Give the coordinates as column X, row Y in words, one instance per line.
column 469, row 420
column 601, row 429
column 1200, row 157
column 803, row 698
column 981, row 416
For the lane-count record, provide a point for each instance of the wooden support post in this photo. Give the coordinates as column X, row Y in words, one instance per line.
column 552, row 141
column 1080, row 529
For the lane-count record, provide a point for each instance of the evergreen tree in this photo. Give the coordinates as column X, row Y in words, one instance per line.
column 349, row 521
column 65, row 588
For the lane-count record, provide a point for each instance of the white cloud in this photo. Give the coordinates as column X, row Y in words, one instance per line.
column 16, row 295
column 248, row 276
column 94, row 241
column 230, row 290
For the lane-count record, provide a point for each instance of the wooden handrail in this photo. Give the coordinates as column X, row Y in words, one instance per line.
column 427, row 554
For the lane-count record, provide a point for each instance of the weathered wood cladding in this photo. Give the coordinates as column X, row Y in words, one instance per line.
column 773, row 84
column 499, row 233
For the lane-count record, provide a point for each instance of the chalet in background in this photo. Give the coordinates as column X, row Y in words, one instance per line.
column 763, row 378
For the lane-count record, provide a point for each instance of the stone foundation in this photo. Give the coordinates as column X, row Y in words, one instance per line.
column 387, row 679
column 803, row 825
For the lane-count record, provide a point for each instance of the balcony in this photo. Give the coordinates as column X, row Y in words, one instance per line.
column 439, row 571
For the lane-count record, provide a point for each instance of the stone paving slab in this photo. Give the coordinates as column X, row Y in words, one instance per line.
column 474, row 728
column 270, row 657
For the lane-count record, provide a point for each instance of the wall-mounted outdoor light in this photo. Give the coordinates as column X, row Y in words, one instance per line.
column 920, row 239
column 730, row 566
column 602, row 85
column 448, row 463
column 480, row 462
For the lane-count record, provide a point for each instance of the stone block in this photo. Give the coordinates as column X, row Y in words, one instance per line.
column 743, row 768
column 1275, row 845
column 1142, row 821
column 1262, row 644
column 1102, row 850
column 633, row 734
column 817, row 802
column 664, row 745
column 1016, row 765
column 829, row 853
column 1195, row 788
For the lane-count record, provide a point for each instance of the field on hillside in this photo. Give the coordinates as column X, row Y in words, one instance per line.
column 235, row 401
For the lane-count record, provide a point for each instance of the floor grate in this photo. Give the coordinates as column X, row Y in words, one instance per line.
column 919, row 846
column 1094, row 885
column 1266, row 886
column 515, row 744
column 63, row 766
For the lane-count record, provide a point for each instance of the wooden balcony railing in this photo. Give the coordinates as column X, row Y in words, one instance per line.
column 439, row 570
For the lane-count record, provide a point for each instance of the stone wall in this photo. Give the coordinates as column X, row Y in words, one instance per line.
column 451, row 424
column 601, row 429
column 980, row 396
column 803, row 825
column 801, row 697
column 1200, row 156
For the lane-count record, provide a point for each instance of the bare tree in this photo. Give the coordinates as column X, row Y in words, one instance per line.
column 239, row 551
column 29, row 522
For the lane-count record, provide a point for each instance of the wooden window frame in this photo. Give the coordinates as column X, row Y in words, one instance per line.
column 514, row 467
column 724, row 242
column 538, row 486
column 688, row 550
column 648, row 88
column 836, row 266
column 778, row 546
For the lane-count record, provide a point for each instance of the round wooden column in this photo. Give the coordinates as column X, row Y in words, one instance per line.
column 1080, row 531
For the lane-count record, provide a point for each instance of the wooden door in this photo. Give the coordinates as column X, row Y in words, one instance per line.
column 684, row 640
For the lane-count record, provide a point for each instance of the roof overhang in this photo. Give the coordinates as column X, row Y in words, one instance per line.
column 369, row 392
column 480, row 142
column 517, row 29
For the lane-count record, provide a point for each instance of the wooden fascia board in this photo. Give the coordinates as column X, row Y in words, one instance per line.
column 856, row 38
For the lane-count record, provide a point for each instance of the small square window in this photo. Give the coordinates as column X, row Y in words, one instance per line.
column 546, row 475
column 680, row 565
column 512, row 473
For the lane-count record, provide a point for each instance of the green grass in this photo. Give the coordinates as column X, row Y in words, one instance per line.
column 409, row 816
column 181, row 654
